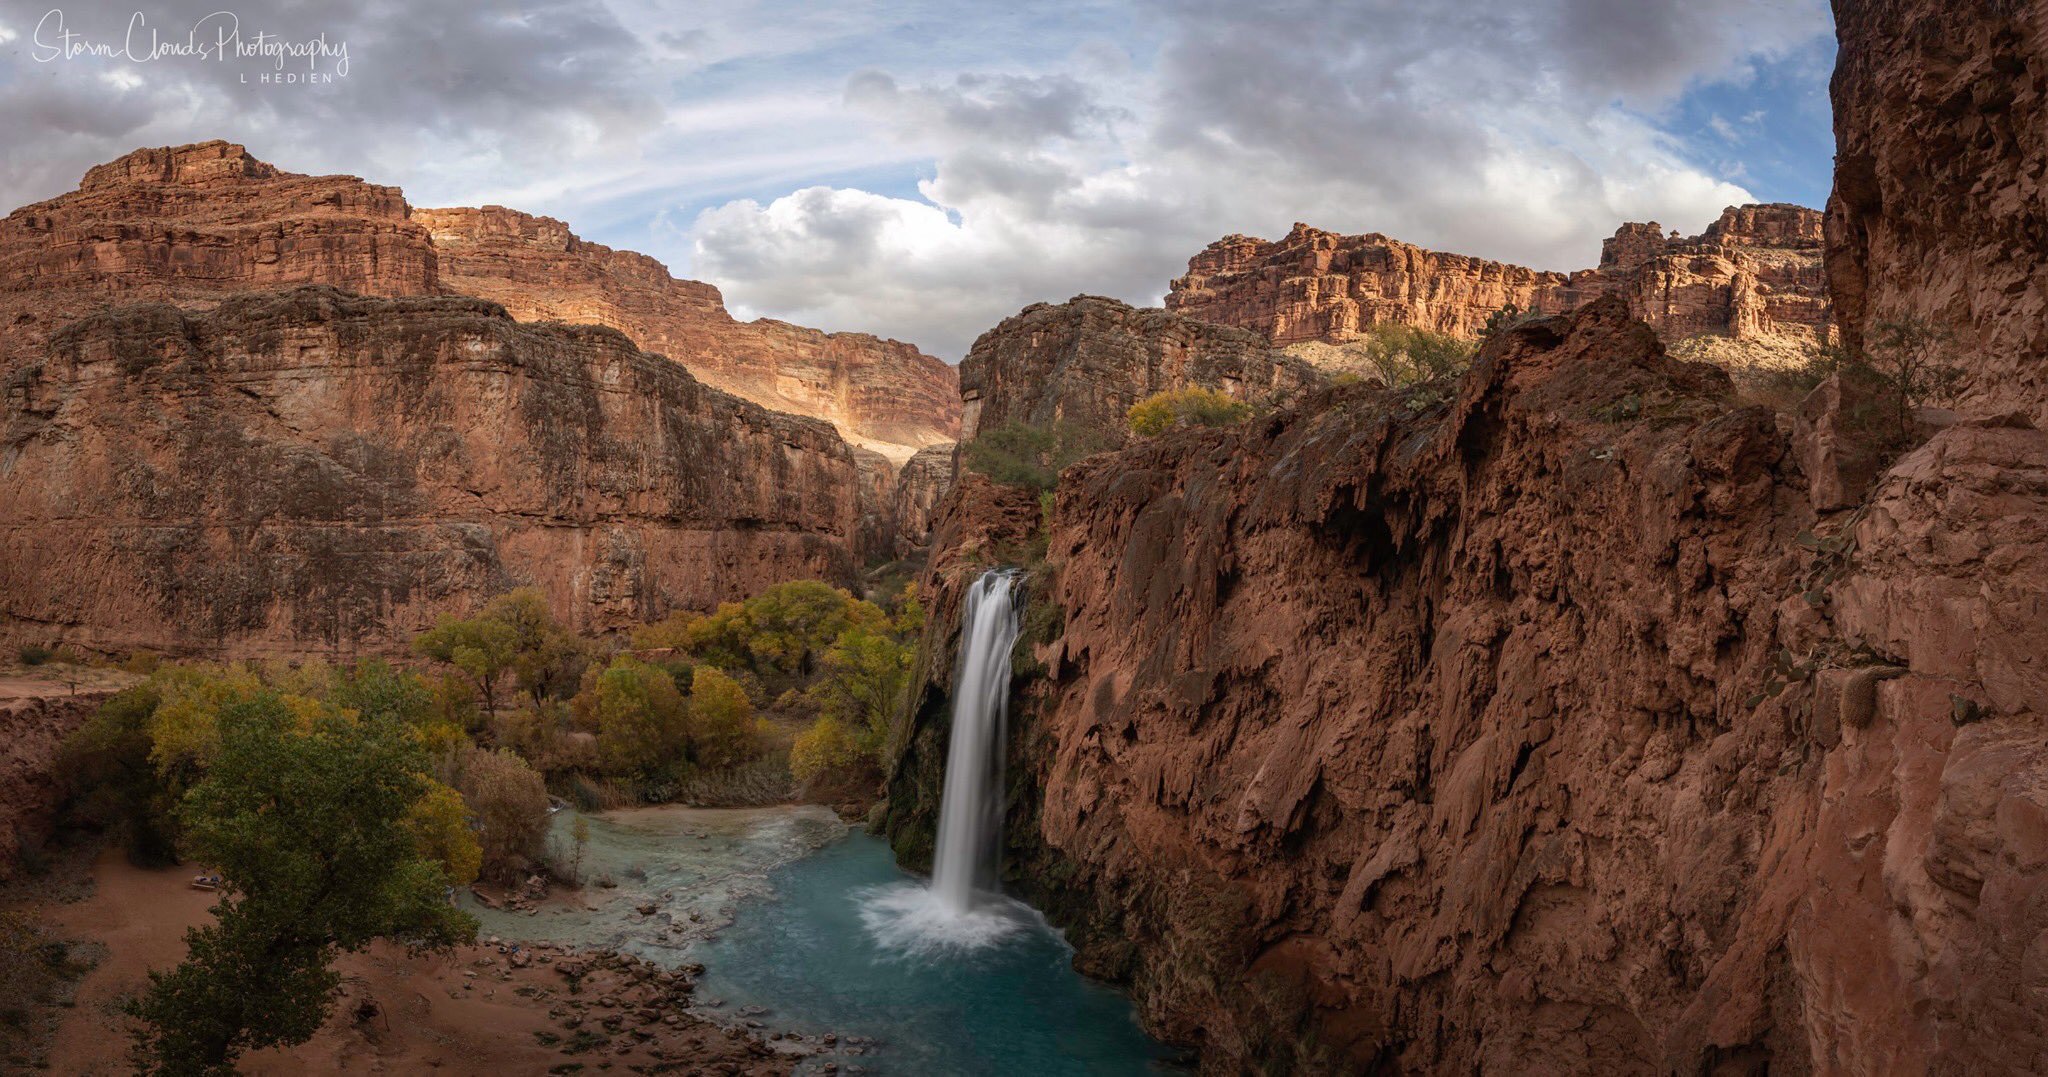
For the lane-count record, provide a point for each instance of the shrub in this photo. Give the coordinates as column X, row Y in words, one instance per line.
column 1020, row 454
column 1177, row 409
column 34, row 654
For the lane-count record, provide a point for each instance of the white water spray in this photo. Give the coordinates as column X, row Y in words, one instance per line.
column 963, row 908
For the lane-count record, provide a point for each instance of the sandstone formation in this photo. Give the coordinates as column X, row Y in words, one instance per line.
column 1939, row 211
column 191, row 225
column 1086, row 361
column 1753, row 277
column 1526, row 735
column 314, row 469
column 882, row 394
column 920, row 485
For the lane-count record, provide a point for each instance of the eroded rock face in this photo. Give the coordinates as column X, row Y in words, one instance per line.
column 1363, row 738
column 882, row 394
column 318, row 470
column 1938, row 212
column 920, row 485
column 192, row 224
column 32, row 732
column 1753, row 276
column 1086, row 361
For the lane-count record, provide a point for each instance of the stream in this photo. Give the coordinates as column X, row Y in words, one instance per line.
column 787, row 910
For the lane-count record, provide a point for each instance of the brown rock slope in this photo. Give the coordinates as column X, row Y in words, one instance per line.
column 1524, row 734
column 316, row 469
column 192, row 224
column 1753, row 279
column 883, row 394
column 1086, row 361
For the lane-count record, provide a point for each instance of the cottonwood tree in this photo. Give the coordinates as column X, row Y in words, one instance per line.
column 303, row 812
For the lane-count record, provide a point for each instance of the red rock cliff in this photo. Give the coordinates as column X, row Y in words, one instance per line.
column 1086, row 361
column 311, row 469
column 883, row 394
column 1940, row 211
column 1592, row 722
column 192, row 224
column 1753, row 276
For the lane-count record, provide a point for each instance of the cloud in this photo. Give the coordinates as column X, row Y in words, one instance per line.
column 478, row 85
column 1521, row 132
column 923, row 168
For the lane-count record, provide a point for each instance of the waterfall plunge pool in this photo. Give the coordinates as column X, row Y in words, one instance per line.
column 776, row 903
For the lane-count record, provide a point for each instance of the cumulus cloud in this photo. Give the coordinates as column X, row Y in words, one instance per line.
column 1521, row 132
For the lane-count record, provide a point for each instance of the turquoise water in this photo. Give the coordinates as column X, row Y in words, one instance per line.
column 1014, row 1007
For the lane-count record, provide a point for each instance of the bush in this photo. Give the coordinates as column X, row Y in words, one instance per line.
column 1019, row 454
column 638, row 715
column 34, row 655
column 1178, row 409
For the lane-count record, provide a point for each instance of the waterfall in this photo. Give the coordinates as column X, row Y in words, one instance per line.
column 971, row 808
column 962, row 909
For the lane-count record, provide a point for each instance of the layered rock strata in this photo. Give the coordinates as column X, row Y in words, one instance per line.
column 1084, row 362
column 1754, row 276
column 191, row 225
column 312, row 469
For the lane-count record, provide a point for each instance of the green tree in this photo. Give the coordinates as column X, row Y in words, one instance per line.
column 864, row 677
column 825, row 747
column 1177, row 409
column 546, row 657
column 483, row 648
column 305, row 822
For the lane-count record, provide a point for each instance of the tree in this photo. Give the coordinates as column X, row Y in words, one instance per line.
column 1912, row 358
column 510, row 803
column 638, row 715
column 483, row 648
column 439, row 824
column 304, row 818
column 545, row 656
column 865, row 675
column 1178, row 409
column 722, row 730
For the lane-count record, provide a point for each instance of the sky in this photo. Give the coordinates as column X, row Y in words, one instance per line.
column 923, row 169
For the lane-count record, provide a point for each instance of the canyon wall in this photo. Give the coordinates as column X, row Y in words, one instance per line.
column 882, row 394
column 1086, row 361
column 34, row 720
column 192, row 224
column 311, row 469
column 1591, row 721
column 1940, row 210
column 1548, row 730
column 1754, row 277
